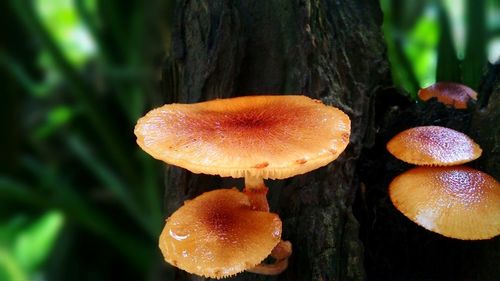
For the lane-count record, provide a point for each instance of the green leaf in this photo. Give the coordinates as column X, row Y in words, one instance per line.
column 401, row 67
column 448, row 64
column 10, row 229
column 57, row 117
column 61, row 19
column 10, row 270
column 110, row 181
column 135, row 250
column 475, row 59
column 420, row 47
column 34, row 244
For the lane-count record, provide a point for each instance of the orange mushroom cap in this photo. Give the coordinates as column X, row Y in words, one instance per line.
column 433, row 145
column 454, row 94
column 264, row 136
column 217, row 234
column 457, row 201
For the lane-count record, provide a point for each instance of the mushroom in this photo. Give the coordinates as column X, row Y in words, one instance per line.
column 454, row 201
column 457, row 202
column 255, row 137
column 433, row 145
column 218, row 234
column 453, row 94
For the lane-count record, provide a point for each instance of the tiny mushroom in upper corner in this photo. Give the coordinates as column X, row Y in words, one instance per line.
column 448, row 93
column 456, row 201
column 255, row 137
column 433, row 146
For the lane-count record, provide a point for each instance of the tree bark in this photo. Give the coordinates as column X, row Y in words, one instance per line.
column 325, row 49
column 485, row 123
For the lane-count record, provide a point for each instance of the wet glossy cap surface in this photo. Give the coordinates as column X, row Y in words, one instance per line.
column 457, row 202
column 433, row 145
column 453, row 94
column 265, row 136
column 217, row 234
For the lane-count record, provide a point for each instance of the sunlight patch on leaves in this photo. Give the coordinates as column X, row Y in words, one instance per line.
column 494, row 50
column 26, row 244
column 455, row 10
column 421, row 45
column 34, row 243
column 65, row 25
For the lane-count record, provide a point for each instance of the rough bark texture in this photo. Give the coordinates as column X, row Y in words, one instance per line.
column 485, row 125
column 330, row 50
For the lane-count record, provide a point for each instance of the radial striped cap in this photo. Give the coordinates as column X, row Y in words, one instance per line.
column 264, row 136
column 217, row 234
column 433, row 146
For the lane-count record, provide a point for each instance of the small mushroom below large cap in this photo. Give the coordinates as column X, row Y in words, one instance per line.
column 217, row 234
column 457, row 201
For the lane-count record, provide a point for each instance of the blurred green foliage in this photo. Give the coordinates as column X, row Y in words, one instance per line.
column 68, row 29
column 447, row 40
column 77, row 74
column 78, row 199
column 24, row 244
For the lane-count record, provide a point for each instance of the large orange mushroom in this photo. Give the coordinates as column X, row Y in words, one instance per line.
column 456, row 201
column 255, row 137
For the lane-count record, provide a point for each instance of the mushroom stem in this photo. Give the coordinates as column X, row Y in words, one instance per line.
column 270, row 269
column 252, row 182
column 281, row 253
column 256, row 191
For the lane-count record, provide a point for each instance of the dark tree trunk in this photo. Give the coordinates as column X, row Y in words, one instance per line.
column 485, row 125
column 330, row 50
